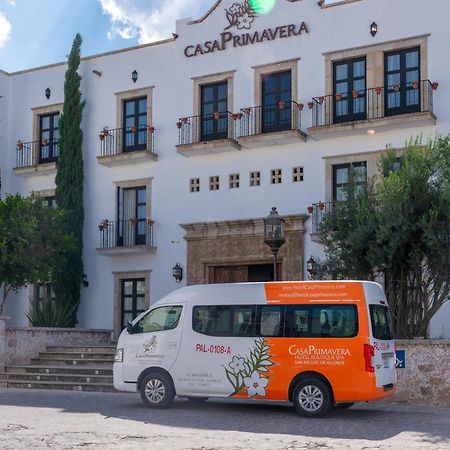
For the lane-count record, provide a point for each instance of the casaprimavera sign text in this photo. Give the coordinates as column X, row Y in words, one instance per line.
column 228, row 39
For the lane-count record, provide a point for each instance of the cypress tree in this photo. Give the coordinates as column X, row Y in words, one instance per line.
column 68, row 273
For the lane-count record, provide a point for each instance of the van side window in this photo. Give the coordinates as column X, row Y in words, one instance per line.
column 224, row 320
column 321, row 321
column 159, row 319
column 269, row 321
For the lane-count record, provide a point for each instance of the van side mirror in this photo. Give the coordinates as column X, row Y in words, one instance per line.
column 129, row 327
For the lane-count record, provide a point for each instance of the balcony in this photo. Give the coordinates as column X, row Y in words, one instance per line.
column 318, row 213
column 209, row 133
column 263, row 126
column 36, row 158
column 132, row 145
column 372, row 110
column 126, row 237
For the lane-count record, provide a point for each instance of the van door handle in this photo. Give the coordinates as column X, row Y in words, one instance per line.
column 171, row 345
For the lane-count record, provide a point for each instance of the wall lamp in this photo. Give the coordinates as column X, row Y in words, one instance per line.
column 373, row 29
column 48, row 92
column 177, row 272
column 311, row 266
column 134, row 76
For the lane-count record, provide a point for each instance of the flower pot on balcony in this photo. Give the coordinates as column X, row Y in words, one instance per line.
column 101, row 136
column 20, row 145
column 133, row 222
column 310, row 209
column 355, row 93
column 44, row 142
column 301, row 106
column 434, row 85
column 133, row 128
column 216, row 115
column 338, row 97
column 310, row 105
column 321, row 206
column 415, row 84
column 179, row 124
column 185, row 120
column 281, row 105
column 105, row 131
column 150, row 129
column 378, row 90
column 321, row 100
column 150, row 221
column 396, row 87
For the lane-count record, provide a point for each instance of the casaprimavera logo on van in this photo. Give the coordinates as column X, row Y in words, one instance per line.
column 312, row 350
column 149, row 348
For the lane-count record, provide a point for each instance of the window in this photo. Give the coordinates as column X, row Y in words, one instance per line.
column 48, row 138
column 401, row 69
column 159, row 319
column 135, row 124
column 321, row 321
column 341, row 174
column 275, row 176
column 255, row 178
column 349, row 90
column 269, row 321
column 132, row 212
column 132, row 299
column 50, row 201
column 234, row 180
column 381, row 321
column 214, row 183
column 297, row 174
column 194, row 185
column 43, row 291
column 276, row 102
column 213, row 111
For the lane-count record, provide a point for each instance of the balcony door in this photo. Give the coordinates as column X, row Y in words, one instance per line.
column 276, row 102
column 135, row 124
column 132, row 222
column 213, row 114
column 349, row 90
column 48, row 138
column 341, row 178
column 402, row 68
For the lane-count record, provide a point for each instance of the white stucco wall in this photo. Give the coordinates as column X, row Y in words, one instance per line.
column 165, row 67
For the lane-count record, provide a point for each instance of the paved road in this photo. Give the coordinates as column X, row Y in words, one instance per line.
column 38, row 419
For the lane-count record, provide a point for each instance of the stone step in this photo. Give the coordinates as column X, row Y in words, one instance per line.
column 47, row 361
column 56, row 378
column 76, row 355
column 97, row 387
column 59, row 370
column 109, row 349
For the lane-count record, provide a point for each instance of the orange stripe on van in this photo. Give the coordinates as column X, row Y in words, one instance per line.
column 325, row 291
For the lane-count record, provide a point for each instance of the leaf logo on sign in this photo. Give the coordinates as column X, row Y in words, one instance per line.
column 240, row 15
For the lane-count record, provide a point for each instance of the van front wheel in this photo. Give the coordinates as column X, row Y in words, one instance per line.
column 312, row 398
column 157, row 390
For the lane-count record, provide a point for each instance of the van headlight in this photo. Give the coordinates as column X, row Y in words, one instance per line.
column 118, row 357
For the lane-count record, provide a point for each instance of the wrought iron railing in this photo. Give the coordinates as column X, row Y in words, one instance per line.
column 126, row 233
column 130, row 139
column 374, row 103
column 282, row 116
column 31, row 153
column 207, row 127
column 318, row 213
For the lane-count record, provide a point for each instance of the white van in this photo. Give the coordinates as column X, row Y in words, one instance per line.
column 316, row 344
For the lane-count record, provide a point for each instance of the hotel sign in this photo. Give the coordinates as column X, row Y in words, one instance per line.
column 241, row 17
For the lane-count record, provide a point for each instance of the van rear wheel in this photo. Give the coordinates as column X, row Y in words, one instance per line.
column 312, row 398
column 157, row 390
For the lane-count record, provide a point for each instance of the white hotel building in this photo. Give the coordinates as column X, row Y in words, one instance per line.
column 190, row 141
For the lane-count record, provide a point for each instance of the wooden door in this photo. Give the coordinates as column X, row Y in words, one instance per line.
column 228, row 274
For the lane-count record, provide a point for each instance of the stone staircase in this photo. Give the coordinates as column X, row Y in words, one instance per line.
column 69, row 368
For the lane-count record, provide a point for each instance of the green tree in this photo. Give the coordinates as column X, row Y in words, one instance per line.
column 31, row 237
column 68, row 274
column 399, row 229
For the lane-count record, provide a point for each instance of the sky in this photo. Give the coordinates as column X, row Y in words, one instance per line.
column 39, row 32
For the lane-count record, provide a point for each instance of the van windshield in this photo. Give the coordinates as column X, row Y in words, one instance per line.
column 381, row 320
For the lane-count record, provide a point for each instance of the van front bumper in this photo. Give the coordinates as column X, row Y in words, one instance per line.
column 119, row 384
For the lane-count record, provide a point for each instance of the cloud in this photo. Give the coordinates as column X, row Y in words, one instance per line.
column 11, row 2
column 5, row 30
column 149, row 20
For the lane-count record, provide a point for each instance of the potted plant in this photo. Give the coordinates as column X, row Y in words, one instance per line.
column 321, row 100
column 185, row 120
column 415, row 84
column 434, row 85
column 150, row 221
column 378, row 90
column 310, row 209
column 133, row 128
column 321, row 206
column 105, row 131
column 338, row 97
column 247, row 111
column 396, row 87
column 216, row 115
column 310, row 105
column 281, row 105
column 179, row 123
column 355, row 93
column 44, row 142
column 301, row 106
column 150, row 129
column 19, row 145
column 101, row 136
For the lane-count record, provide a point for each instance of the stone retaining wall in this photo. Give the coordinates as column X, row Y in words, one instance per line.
column 426, row 376
column 22, row 344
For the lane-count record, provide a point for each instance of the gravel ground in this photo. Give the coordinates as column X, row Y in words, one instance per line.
column 39, row 419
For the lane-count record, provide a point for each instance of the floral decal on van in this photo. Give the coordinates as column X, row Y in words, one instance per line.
column 247, row 372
